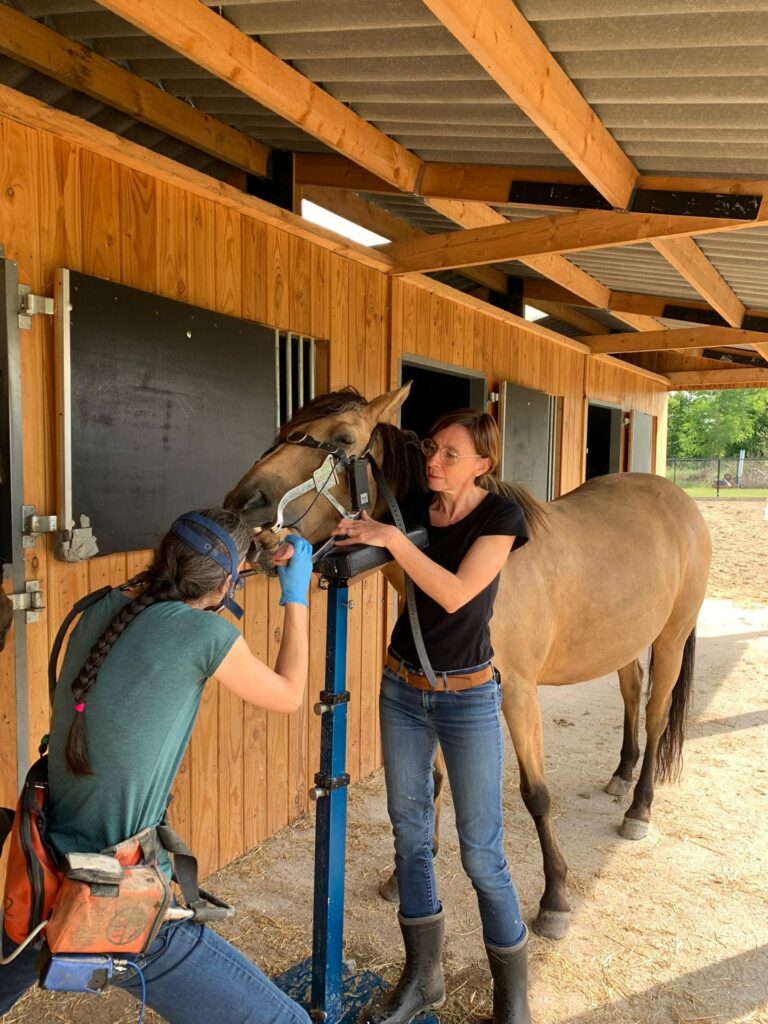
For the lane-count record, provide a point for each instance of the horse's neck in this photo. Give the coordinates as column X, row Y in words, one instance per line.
column 401, row 464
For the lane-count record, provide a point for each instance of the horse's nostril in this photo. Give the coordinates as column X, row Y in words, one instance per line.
column 256, row 499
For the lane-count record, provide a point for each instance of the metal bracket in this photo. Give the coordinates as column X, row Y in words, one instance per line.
column 32, row 525
column 32, row 305
column 31, row 601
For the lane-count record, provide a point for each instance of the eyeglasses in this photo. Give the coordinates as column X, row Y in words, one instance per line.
column 447, row 456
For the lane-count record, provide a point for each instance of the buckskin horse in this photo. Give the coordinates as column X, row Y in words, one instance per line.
column 612, row 568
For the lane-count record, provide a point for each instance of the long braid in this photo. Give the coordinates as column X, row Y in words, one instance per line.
column 177, row 573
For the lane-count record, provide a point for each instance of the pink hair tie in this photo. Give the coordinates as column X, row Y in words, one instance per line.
column 80, row 707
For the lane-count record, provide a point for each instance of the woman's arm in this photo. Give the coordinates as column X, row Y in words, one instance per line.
column 481, row 564
column 281, row 689
column 248, row 676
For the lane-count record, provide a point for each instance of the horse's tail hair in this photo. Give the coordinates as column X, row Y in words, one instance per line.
column 669, row 758
column 535, row 511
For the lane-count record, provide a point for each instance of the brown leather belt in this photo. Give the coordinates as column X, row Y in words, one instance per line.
column 444, row 681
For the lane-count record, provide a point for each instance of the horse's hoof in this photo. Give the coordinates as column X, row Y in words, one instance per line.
column 633, row 828
column 388, row 889
column 617, row 786
column 552, row 924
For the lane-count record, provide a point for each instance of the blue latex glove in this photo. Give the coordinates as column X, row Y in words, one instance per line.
column 295, row 575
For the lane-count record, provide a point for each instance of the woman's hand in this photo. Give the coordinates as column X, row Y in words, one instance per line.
column 363, row 531
column 293, row 560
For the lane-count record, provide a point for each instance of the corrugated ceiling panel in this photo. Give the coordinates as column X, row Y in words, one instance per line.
column 742, row 259
column 634, row 268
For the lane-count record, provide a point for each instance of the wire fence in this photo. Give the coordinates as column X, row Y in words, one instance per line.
column 720, row 478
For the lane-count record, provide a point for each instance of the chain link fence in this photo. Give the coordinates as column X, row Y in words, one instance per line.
column 731, row 477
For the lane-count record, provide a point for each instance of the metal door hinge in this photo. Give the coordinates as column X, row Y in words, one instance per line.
column 33, row 524
column 32, row 305
column 31, row 601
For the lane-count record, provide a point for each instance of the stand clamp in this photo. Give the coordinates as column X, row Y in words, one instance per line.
column 325, row 784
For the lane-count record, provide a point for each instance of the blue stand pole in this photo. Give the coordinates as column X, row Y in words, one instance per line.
column 331, row 990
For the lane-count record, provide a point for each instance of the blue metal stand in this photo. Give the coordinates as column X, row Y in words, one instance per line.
column 325, row 985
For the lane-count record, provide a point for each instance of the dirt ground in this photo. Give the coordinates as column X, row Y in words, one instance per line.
column 673, row 928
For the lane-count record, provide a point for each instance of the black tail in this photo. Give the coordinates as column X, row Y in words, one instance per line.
column 669, row 758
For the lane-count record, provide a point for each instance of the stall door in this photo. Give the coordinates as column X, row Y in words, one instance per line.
column 527, row 424
column 640, row 442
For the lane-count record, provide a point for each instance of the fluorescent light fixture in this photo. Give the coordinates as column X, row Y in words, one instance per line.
column 318, row 215
column 531, row 313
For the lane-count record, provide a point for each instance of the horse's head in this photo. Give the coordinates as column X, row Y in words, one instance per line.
column 342, row 418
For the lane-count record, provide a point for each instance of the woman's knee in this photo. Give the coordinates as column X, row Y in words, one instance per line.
column 486, row 867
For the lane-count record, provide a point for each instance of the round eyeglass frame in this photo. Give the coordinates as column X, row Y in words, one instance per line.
column 446, row 455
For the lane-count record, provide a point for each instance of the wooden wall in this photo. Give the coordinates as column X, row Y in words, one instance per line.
column 247, row 772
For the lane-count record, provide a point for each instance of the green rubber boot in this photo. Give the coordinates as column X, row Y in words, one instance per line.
column 509, row 968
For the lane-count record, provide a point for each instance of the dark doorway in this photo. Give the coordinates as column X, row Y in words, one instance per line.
column 436, row 390
column 603, row 440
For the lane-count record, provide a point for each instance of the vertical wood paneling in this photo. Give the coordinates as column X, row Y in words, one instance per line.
column 247, row 772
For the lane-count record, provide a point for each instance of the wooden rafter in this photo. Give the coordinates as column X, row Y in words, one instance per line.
column 625, row 302
column 691, row 263
column 567, row 232
column 574, row 317
column 703, row 379
column 38, row 47
column 493, row 183
column 680, row 338
column 204, row 37
column 500, row 38
column 357, row 209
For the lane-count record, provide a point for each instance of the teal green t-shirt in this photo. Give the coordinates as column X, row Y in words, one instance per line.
column 139, row 716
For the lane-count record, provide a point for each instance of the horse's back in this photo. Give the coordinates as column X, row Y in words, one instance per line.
column 617, row 558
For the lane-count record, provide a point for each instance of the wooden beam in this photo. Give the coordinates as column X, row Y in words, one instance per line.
column 494, row 183
column 682, row 338
column 567, row 232
column 762, row 349
column 38, row 47
column 572, row 316
column 499, row 37
column 357, row 209
column 468, row 215
column 701, row 380
column 204, row 37
column 18, row 107
column 691, row 263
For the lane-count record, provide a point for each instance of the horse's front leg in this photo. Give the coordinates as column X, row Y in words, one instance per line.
column 521, row 710
column 631, row 684
column 388, row 889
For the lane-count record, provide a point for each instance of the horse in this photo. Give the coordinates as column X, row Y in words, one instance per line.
column 616, row 566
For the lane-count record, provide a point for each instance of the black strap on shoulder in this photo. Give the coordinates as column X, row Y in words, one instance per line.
column 410, row 594
column 77, row 608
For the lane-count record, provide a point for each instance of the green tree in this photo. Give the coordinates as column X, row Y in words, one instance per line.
column 713, row 424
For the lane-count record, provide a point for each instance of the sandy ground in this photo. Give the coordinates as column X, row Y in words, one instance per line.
column 670, row 929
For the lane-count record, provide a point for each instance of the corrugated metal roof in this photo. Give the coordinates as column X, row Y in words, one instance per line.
column 681, row 84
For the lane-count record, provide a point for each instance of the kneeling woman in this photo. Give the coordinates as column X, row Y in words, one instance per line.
column 471, row 533
column 131, row 682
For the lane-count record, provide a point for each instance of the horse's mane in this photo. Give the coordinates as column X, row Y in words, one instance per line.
column 318, row 408
column 402, row 462
column 535, row 511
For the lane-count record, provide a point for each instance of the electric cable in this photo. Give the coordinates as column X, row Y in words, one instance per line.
column 135, row 966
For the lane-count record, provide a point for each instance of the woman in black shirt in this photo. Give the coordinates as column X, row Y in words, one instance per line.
column 471, row 533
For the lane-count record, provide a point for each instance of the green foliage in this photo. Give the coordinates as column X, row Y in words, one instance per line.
column 715, row 424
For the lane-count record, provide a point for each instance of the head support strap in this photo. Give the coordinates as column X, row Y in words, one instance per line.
column 206, row 547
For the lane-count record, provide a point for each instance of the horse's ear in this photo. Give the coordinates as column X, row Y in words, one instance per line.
column 385, row 408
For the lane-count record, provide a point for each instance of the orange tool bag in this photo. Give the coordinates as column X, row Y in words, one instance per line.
column 107, row 902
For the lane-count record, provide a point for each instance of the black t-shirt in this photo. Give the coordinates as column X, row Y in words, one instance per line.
column 460, row 639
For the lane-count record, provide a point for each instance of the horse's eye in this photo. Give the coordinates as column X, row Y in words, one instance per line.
column 344, row 439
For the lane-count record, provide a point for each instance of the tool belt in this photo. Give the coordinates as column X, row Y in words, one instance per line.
column 107, row 902
column 453, row 682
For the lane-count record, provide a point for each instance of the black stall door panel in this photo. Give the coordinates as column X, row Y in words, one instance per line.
column 170, row 405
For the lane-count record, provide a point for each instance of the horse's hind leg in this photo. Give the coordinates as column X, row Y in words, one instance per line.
column 670, row 675
column 521, row 710
column 631, row 684
column 388, row 889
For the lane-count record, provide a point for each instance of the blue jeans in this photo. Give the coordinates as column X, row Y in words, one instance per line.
column 467, row 726
column 193, row 976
